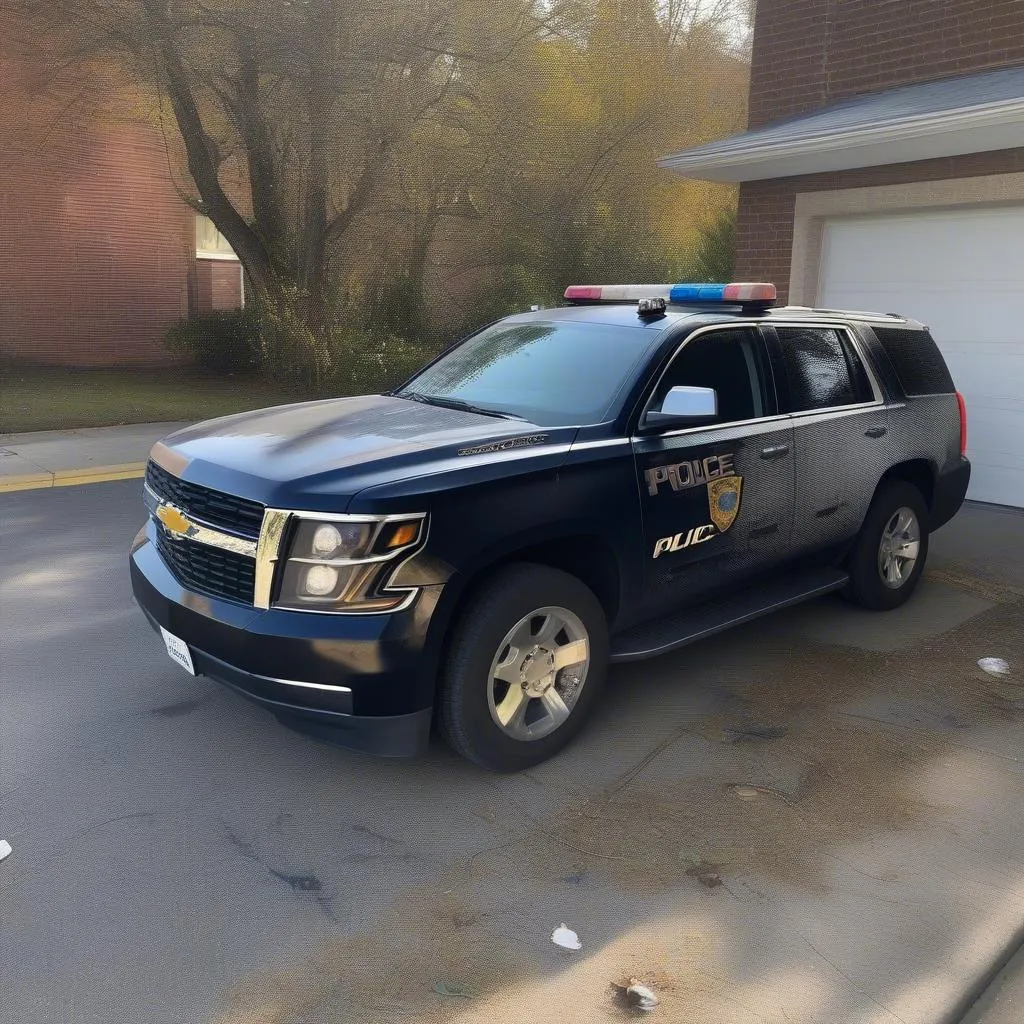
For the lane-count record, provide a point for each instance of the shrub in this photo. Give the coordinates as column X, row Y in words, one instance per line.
column 344, row 357
column 366, row 363
column 289, row 350
column 228, row 340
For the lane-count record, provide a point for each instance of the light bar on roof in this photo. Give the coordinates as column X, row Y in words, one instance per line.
column 616, row 292
column 758, row 293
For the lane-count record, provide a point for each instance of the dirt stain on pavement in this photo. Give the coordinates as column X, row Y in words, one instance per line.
column 428, row 942
column 842, row 764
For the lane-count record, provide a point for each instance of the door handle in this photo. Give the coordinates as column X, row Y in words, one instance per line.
column 775, row 451
column 876, row 432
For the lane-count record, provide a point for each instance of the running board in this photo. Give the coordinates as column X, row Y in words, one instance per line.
column 680, row 628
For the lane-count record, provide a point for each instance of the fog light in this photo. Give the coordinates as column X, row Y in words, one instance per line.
column 320, row 580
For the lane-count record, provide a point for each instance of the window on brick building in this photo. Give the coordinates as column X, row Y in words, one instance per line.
column 210, row 243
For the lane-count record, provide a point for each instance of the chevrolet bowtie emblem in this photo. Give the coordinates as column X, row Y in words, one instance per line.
column 174, row 520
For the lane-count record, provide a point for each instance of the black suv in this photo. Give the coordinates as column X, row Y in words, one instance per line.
column 567, row 487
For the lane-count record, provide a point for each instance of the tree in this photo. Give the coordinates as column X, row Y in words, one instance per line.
column 613, row 85
column 290, row 112
column 423, row 163
column 715, row 255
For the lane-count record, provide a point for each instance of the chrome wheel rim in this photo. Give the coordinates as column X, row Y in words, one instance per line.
column 538, row 673
column 899, row 548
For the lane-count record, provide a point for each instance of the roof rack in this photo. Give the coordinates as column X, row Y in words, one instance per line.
column 859, row 315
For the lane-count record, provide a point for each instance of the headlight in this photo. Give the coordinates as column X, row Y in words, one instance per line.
column 343, row 563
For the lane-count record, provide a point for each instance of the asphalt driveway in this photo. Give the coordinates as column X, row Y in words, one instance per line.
column 813, row 818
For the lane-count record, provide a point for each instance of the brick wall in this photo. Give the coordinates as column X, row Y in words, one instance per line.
column 96, row 246
column 809, row 53
column 766, row 208
column 218, row 285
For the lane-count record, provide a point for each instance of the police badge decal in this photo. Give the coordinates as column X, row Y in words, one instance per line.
column 724, row 500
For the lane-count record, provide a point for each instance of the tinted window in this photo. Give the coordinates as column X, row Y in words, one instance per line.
column 553, row 374
column 729, row 362
column 823, row 369
column 915, row 357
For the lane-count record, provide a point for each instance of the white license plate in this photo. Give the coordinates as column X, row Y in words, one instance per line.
column 178, row 650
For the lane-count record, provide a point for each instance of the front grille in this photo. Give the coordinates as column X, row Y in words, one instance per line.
column 238, row 515
column 208, row 570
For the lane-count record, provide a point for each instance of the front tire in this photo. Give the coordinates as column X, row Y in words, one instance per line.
column 889, row 553
column 525, row 667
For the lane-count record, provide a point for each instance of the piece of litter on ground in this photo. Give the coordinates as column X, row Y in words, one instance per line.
column 746, row 792
column 5, row 849
column 706, row 874
column 453, row 990
column 706, row 871
column 638, row 996
column 565, row 937
column 994, row 666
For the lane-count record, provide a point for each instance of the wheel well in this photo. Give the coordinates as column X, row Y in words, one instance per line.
column 588, row 558
column 918, row 472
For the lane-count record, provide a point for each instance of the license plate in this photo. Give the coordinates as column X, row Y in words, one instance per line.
column 178, row 650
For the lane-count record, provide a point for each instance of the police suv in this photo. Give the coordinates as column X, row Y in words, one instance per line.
column 569, row 487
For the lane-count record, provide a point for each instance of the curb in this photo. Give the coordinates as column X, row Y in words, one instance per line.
column 974, row 993
column 73, row 477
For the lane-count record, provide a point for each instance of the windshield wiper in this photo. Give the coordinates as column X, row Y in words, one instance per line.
column 456, row 403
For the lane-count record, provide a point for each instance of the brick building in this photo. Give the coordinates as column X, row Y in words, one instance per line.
column 98, row 253
column 883, row 169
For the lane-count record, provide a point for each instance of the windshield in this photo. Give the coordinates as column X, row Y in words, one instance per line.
column 553, row 374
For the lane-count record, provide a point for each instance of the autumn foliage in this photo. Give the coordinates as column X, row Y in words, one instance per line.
column 412, row 168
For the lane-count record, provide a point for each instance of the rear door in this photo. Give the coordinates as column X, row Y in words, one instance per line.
column 840, row 425
column 717, row 497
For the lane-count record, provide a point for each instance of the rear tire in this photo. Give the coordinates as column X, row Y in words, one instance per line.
column 889, row 553
column 514, row 689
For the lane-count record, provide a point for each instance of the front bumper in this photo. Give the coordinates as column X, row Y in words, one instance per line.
column 364, row 681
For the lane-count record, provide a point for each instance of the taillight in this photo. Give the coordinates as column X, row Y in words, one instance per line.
column 963, row 423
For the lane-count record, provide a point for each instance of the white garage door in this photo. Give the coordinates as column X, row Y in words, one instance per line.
column 962, row 273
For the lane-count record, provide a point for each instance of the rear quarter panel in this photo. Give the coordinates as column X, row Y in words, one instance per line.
column 920, row 427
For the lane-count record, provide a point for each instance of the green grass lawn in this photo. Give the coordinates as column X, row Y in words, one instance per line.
column 52, row 398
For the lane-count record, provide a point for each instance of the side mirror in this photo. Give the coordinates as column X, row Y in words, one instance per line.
column 682, row 405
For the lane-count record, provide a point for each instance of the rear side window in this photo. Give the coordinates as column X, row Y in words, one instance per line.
column 916, row 358
column 823, row 369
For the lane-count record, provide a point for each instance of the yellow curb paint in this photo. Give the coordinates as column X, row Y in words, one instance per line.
column 73, row 477
column 26, row 481
column 98, row 474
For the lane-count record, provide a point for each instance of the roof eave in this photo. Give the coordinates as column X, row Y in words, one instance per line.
column 949, row 133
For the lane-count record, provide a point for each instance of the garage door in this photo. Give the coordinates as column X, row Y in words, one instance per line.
column 962, row 273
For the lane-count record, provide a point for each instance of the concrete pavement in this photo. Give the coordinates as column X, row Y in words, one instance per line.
column 814, row 818
column 1002, row 1002
column 55, row 458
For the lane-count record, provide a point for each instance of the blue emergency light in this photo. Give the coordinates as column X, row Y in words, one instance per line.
column 750, row 292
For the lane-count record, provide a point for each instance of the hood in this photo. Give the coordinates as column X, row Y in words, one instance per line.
column 317, row 455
